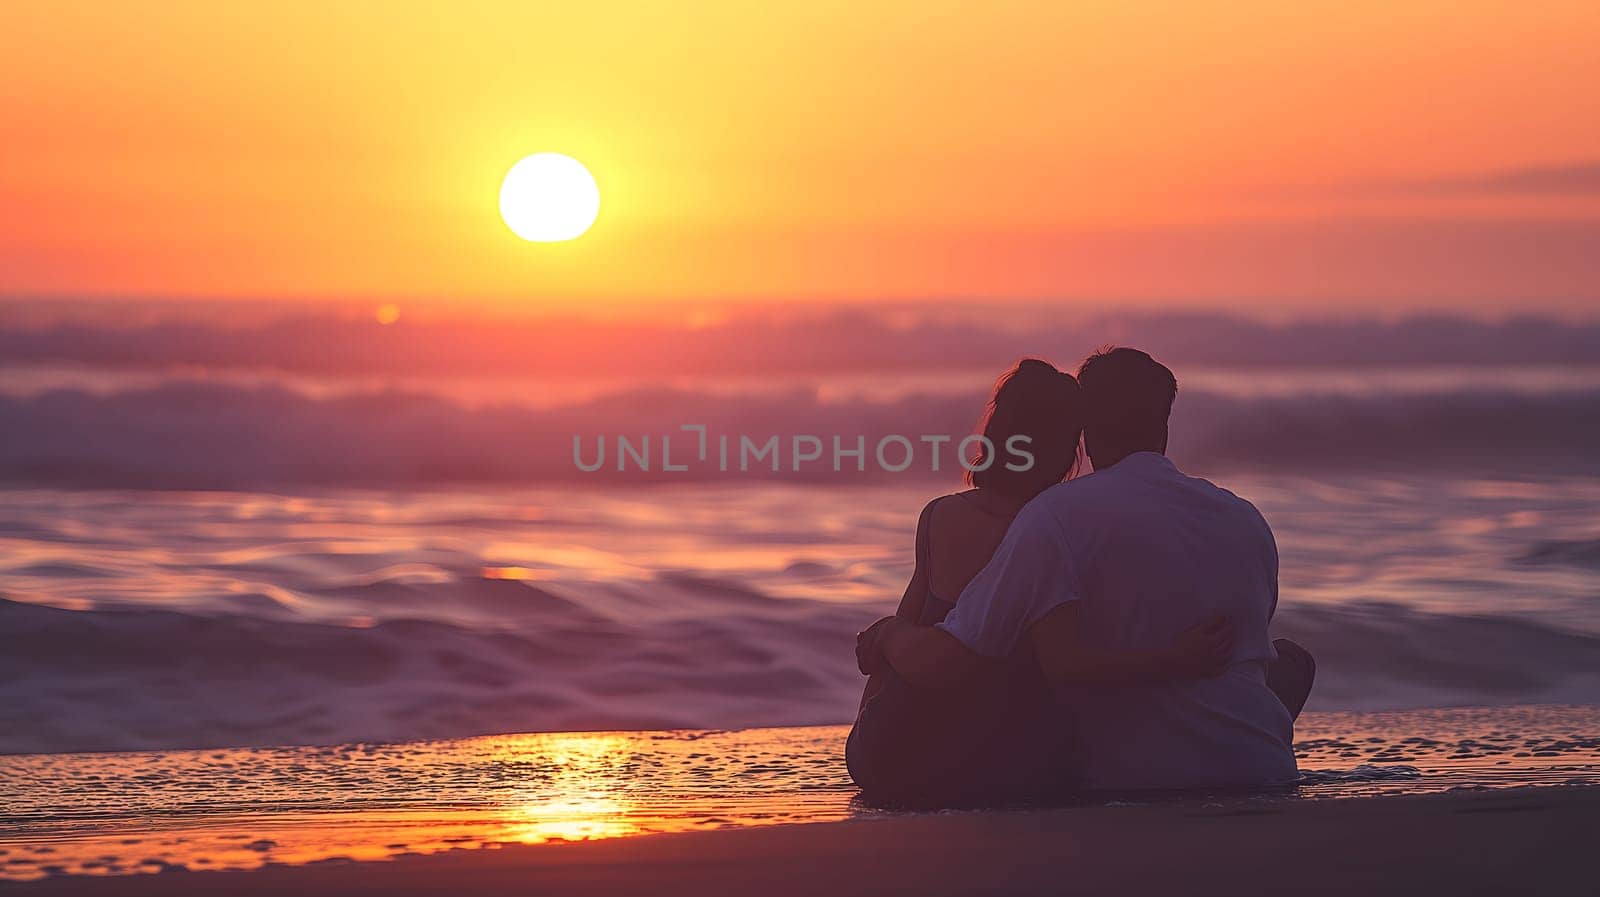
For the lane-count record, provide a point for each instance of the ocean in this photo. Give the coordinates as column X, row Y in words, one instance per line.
column 196, row 561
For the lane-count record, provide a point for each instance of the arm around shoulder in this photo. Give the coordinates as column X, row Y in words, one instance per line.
column 1066, row 655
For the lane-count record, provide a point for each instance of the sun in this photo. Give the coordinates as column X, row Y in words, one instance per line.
column 548, row 198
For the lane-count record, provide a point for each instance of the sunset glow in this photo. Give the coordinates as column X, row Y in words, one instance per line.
column 1152, row 154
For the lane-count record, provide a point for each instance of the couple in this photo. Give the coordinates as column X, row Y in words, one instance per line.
column 1059, row 634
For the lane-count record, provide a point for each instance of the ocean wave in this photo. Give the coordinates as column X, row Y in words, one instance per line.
column 1581, row 553
column 1365, row 772
column 195, row 434
column 1379, row 656
column 122, row 679
column 805, row 337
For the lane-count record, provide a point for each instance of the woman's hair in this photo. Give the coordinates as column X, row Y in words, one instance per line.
column 1036, row 401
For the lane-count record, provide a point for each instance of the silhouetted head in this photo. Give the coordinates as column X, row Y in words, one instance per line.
column 1127, row 397
column 1041, row 403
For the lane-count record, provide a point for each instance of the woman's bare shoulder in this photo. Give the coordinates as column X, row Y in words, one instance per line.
column 965, row 511
column 962, row 532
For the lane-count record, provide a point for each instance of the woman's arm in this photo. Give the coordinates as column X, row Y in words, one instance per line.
column 1065, row 656
column 915, row 596
column 924, row 656
column 916, row 593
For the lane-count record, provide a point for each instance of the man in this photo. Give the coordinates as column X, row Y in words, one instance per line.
column 1121, row 562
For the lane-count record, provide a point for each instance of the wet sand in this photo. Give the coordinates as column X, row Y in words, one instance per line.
column 138, row 813
column 141, row 815
column 1522, row 841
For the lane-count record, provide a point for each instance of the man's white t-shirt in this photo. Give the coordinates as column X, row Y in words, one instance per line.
column 1147, row 552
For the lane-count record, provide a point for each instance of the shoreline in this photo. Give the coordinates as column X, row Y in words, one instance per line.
column 1526, row 841
column 135, row 814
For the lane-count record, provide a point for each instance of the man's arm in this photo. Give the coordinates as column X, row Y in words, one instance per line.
column 1066, row 656
column 1022, row 579
column 929, row 657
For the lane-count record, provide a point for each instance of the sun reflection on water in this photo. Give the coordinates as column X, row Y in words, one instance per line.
column 242, row 808
column 575, row 820
column 588, row 772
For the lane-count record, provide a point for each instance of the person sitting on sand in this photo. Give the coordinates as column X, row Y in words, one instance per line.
column 1097, row 578
column 904, row 742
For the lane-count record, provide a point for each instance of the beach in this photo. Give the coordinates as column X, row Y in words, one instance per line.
column 1526, row 841
column 255, row 691
column 704, row 810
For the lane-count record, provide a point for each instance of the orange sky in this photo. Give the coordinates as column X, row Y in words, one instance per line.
column 1256, row 155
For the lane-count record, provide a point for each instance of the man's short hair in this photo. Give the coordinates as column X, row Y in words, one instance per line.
column 1128, row 395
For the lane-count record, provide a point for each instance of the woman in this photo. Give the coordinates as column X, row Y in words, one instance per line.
column 913, row 746
column 957, row 533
